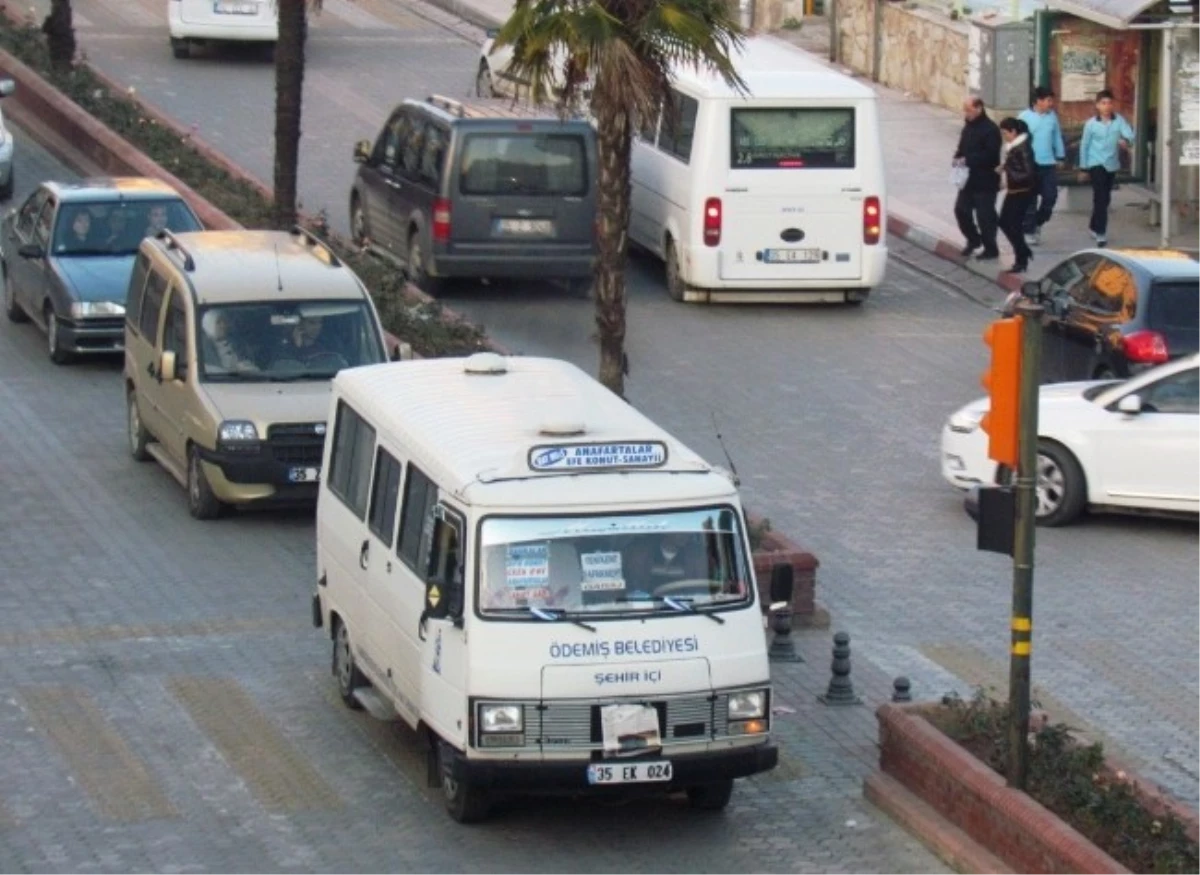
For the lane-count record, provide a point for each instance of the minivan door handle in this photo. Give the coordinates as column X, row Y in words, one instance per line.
column 364, row 554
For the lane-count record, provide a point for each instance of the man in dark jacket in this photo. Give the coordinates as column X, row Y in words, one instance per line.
column 979, row 150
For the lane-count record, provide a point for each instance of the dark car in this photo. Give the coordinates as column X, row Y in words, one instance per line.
column 67, row 255
column 1115, row 312
column 491, row 190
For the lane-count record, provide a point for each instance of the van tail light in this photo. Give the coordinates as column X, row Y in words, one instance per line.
column 872, row 221
column 712, row 221
column 1145, row 347
column 441, row 220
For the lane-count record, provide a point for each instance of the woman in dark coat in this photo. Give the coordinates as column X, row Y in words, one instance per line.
column 1019, row 178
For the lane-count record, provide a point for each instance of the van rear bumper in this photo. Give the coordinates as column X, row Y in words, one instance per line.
column 558, row 776
column 513, row 266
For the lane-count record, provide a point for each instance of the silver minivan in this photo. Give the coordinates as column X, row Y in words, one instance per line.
column 487, row 189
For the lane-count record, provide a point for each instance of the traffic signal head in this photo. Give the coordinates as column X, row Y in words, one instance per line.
column 1003, row 383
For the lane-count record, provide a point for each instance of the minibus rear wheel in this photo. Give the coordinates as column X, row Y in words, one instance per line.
column 710, row 797
column 348, row 677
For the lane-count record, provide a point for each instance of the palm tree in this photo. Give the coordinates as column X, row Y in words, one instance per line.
column 289, row 95
column 625, row 49
column 60, row 35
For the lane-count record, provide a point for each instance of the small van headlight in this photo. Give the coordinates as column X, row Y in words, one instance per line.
column 501, row 718
column 747, row 704
column 236, row 431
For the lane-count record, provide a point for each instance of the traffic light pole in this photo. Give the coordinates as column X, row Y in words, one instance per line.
column 1023, row 540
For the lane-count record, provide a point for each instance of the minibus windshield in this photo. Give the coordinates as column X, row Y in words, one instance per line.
column 614, row 565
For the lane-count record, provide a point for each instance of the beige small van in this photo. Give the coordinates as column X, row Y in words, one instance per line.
column 231, row 341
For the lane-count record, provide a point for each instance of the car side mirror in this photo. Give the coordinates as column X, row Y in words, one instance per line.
column 166, row 366
column 7, row 87
column 1130, row 405
column 782, row 584
column 362, row 151
column 31, row 250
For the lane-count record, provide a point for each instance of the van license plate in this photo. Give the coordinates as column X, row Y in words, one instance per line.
column 235, row 8
column 629, row 773
column 525, row 227
column 304, row 475
column 791, row 256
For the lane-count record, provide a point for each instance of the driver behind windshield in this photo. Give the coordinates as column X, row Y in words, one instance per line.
column 303, row 339
column 667, row 557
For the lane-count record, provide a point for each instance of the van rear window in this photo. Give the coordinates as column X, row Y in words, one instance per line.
column 524, row 164
column 792, row 138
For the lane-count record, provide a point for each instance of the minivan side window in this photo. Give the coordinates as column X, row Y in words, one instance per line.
column 156, row 290
column 137, row 285
column 420, row 495
column 388, row 149
column 444, row 553
column 350, row 461
column 385, row 494
column 175, row 334
column 410, row 147
column 433, row 155
column 678, row 126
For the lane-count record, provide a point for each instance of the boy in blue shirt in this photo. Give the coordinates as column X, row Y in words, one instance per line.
column 1045, row 135
column 1105, row 135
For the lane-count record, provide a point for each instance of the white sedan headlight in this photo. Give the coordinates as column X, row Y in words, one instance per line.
column 85, row 309
column 501, row 718
column 747, row 705
column 966, row 421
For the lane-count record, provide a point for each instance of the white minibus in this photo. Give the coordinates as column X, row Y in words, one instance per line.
column 773, row 195
column 555, row 592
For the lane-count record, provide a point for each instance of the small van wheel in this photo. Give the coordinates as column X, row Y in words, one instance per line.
column 676, row 287
column 345, row 671
column 181, row 49
column 464, row 803
column 416, row 267
column 710, row 797
column 138, row 436
column 203, row 504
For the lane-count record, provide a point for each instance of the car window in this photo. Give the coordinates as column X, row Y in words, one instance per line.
column 152, row 301
column 524, row 164
column 433, row 154
column 1178, row 393
column 792, row 137
column 416, row 519
column 29, row 212
column 679, row 126
column 648, row 128
column 175, row 333
column 410, row 147
column 350, row 461
column 443, row 552
column 1111, row 291
column 1070, row 277
column 1175, row 307
column 45, row 220
column 385, row 496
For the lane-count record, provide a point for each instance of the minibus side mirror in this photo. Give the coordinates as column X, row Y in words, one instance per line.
column 782, row 583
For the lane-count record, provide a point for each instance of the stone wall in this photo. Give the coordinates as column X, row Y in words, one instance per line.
column 922, row 52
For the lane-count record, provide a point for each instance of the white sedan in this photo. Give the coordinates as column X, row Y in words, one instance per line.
column 493, row 78
column 1131, row 445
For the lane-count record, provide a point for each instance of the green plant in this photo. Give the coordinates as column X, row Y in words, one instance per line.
column 1073, row 781
column 792, row 23
column 425, row 326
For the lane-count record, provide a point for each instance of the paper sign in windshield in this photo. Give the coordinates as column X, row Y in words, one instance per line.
column 601, row 571
column 583, row 457
column 527, row 569
column 629, row 729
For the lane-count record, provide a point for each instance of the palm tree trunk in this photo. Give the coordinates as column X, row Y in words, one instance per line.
column 289, row 93
column 60, row 34
column 614, row 142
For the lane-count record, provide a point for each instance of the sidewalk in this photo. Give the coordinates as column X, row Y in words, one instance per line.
column 920, row 140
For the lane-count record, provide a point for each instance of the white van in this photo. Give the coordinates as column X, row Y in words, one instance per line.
column 774, row 196
column 552, row 589
column 199, row 22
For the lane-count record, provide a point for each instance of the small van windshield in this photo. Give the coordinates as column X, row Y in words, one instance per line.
column 524, row 164
column 792, row 138
column 282, row 341
column 680, row 561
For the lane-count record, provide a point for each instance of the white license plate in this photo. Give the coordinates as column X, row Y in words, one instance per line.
column 525, row 227
column 629, row 773
column 792, row 256
column 304, row 475
column 235, row 8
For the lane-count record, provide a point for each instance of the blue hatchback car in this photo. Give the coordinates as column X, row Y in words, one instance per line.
column 67, row 255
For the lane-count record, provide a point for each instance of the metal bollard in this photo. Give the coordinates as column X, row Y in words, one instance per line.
column 841, row 689
column 783, row 648
column 901, row 690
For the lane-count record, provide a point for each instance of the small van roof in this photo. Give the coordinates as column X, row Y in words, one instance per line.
column 494, row 423
column 774, row 70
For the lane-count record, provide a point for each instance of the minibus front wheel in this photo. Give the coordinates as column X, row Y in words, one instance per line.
column 465, row 803
column 710, row 797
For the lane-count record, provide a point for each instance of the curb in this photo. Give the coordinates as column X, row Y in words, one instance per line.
column 467, row 13
column 949, row 250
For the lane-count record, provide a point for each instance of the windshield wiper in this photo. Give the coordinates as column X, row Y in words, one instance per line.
column 295, row 378
column 684, row 606
column 554, row 617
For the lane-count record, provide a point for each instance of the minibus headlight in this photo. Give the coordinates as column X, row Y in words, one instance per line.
column 501, row 718
column 747, row 705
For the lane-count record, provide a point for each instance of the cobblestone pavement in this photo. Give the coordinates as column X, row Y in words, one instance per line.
column 167, row 706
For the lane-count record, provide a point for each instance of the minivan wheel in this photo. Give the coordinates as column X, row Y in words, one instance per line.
column 1061, row 488
column 416, row 267
column 676, row 287
column 138, row 436
column 203, row 504
column 345, row 671
column 358, row 222
column 710, row 797
column 11, row 308
column 464, row 803
column 483, row 81
column 54, row 349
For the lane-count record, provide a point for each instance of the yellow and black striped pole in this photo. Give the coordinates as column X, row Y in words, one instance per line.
column 1023, row 539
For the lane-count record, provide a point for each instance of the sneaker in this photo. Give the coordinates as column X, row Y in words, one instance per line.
column 1101, row 240
column 1034, row 239
column 1095, row 236
column 987, row 256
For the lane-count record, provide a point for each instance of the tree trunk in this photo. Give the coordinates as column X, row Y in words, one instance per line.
column 289, row 93
column 60, row 34
column 614, row 142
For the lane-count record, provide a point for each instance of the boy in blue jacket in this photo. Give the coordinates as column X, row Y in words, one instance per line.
column 1105, row 135
column 1045, row 135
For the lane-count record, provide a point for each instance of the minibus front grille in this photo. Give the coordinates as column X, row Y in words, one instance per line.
column 558, row 725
